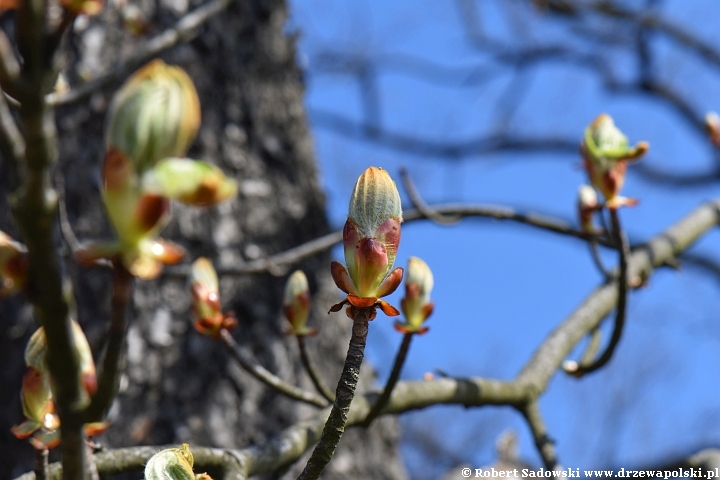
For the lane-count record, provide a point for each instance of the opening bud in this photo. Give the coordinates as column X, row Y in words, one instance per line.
column 606, row 153
column 171, row 464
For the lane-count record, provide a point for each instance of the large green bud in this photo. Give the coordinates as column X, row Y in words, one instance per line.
column 154, row 115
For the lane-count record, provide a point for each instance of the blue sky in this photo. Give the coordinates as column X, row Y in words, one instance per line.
column 500, row 288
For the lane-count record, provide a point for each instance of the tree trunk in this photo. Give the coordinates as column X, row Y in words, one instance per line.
column 178, row 385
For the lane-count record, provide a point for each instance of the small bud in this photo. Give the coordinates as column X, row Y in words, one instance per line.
column 154, row 115
column 416, row 305
column 606, row 153
column 171, row 464
column 13, row 265
column 712, row 124
column 209, row 318
column 82, row 7
column 189, row 181
column 296, row 304
column 36, row 358
column 587, row 205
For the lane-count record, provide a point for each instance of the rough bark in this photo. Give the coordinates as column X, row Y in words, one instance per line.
column 179, row 386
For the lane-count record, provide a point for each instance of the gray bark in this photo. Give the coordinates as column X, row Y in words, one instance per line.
column 180, row 386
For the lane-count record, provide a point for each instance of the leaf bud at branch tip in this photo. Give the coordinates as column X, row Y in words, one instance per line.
column 416, row 306
column 204, row 286
column 296, row 304
column 371, row 237
column 606, row 153
column 154, row 115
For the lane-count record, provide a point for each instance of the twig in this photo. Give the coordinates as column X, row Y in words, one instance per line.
column 35, row 208
column 543, row 443
column 12, row 142
column 349, row 128
column 9, row 66
column 588, row 356
column 184, row 30
column 65, row 226
column 394, row 376
column 312, row 370
column 41, row 464
column 621, row 311
column 313, row 247
column 335, row 425
column 113, row 362
column 597, row 260
column 266, row 377
column 420, row 204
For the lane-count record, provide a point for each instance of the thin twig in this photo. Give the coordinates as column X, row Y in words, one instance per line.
column 621, row 311
column 588, row 356
column 184, row 30
column 265, row 376
column 544, row 444
column 420, row 204
column 312, row 370
column 394, row 376
column 598, row 261
column 65, row 226
column 335, row 425
column 12, row 142
column 293, row 255
column 41, row 463
column 9, row 66
column 113, row 362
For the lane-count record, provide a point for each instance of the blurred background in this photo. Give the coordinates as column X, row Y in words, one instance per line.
column 485, row 101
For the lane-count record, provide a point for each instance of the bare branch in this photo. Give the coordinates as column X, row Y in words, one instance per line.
column 184, row 30
column 266, row 377
column 313, row 371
